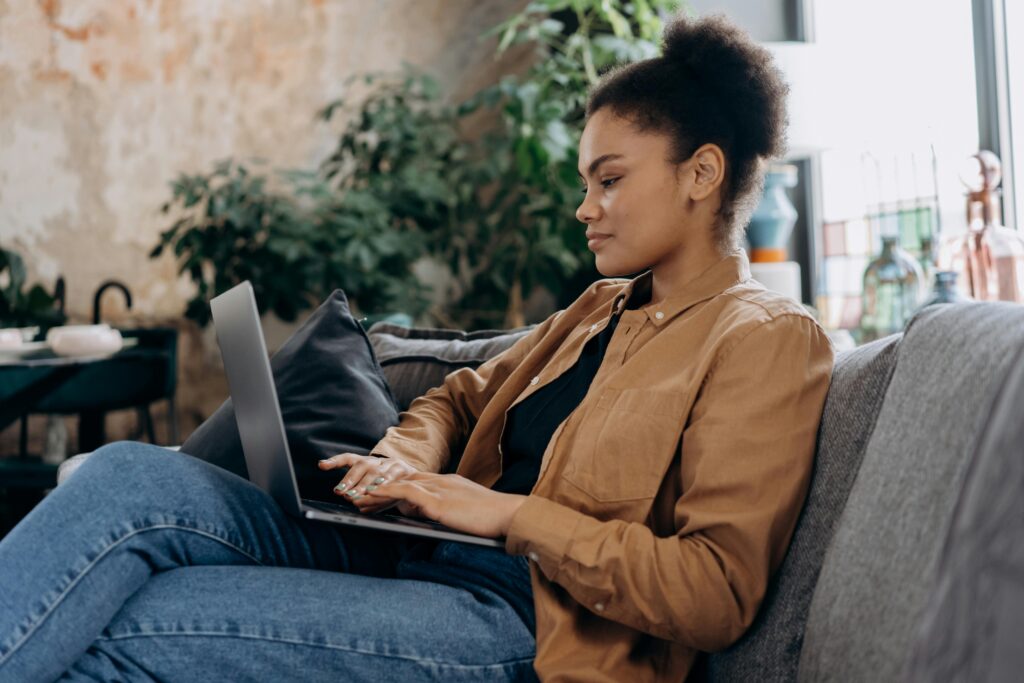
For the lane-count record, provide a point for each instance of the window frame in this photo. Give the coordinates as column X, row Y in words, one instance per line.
column 991, row 65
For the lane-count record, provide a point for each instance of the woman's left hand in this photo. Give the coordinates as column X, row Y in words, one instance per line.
column 454, row 501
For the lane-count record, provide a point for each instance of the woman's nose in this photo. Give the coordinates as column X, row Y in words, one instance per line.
column 589, row 211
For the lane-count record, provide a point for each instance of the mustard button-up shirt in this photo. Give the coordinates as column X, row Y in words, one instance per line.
column 668, row 497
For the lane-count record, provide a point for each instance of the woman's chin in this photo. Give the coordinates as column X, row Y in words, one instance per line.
column 603, row 269
column 610, row 268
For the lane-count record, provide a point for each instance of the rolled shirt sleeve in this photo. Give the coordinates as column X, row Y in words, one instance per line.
column 746, row 460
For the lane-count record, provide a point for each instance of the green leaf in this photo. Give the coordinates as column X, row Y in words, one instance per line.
column 508, row 35
column 38, row 300
column 620, row 25
column 551, row 27
column 16, row 271
column 557, row 141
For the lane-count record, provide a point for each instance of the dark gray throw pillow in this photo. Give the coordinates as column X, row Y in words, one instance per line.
column 415, row 360
column 333, row 398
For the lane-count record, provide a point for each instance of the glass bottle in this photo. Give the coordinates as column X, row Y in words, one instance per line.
column 892, row 290
column 945, row 290
column 928, row 267
column 988, row 257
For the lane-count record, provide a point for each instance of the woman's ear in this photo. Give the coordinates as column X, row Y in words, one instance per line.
column 705, row 170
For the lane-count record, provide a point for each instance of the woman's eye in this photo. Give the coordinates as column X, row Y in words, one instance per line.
column 604, row 183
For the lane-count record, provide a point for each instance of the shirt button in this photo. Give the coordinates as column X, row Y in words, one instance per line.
column 535, row 380
column 534, row 557
column 599, row 606
column 659, row 315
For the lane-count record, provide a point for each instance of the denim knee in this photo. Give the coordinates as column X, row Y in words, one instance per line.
column 132, row 468
column 142, row 479
column 128, row 459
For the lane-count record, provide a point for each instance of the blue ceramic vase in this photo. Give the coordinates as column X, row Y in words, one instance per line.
column 772, row 221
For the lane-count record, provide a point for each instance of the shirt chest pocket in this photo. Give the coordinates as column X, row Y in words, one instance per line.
column 626, row 444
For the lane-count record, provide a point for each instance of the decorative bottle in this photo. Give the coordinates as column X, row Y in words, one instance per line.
column 945, row 290
column 892, row 291
column 928, row 266
column 988, row 257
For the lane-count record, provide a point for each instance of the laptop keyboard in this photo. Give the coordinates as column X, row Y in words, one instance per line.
column 385, row 515
column 330, row 507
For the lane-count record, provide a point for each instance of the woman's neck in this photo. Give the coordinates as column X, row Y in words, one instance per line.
column 685, row 266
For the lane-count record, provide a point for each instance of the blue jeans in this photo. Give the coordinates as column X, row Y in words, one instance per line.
column 149, row 564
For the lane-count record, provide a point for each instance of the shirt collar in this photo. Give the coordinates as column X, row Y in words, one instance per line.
column 730, row 270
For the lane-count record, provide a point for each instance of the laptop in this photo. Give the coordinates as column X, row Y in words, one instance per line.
column 261, row 428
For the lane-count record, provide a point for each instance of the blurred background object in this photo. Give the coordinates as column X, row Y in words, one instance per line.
column 989, row 258
column 893, row 290
column 768, row 234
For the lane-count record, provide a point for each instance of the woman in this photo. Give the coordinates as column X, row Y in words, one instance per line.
column 644, row 452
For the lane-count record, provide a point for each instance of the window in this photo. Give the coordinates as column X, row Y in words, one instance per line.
column 900, row 102
column 1014, row 37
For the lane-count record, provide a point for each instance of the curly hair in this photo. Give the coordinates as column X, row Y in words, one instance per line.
column 712, row 84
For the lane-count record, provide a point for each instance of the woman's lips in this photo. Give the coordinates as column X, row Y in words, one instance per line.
column 595, row 240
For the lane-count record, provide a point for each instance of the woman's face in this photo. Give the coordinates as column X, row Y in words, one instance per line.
column 637, row 205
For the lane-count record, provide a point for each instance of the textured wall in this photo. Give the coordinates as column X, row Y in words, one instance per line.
column 102, row 102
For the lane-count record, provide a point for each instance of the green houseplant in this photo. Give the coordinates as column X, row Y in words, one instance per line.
column 291, row 236
column 497, row 210
column 541, row 120
column 407, row 181
column 21, row 307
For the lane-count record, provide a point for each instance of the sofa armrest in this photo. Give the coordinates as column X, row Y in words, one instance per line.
column 71, row 464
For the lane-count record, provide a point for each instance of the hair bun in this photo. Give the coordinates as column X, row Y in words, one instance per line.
column 711, row 84
column 742, row 75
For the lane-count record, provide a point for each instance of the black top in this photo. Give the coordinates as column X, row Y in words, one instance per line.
column 530, row 425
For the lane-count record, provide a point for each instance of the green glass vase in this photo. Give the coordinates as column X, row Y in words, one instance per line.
column 892, row 291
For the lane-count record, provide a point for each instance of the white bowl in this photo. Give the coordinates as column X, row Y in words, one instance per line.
column 11, row 338
column 84, row 340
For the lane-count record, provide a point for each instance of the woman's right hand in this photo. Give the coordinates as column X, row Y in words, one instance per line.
column 367, row 472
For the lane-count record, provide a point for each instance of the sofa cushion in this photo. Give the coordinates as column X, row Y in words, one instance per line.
column 770, row 649
column 333, row 398
column 974, row 619
column 415, row 360
column 880, row 566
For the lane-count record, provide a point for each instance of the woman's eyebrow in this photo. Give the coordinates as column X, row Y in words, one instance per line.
column 597, row 162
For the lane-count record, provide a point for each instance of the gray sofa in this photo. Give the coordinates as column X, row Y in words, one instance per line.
column 908, row 559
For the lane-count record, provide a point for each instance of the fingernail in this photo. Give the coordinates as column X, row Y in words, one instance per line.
column 353, row 493
column 378, row 480
column 371, row 487
column 356, row 497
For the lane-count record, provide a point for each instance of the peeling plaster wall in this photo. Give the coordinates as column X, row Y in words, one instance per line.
column 103, row 102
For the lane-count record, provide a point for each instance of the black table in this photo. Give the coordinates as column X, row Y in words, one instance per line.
column 43, row 382
column 39, row 381
column 27, row 381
